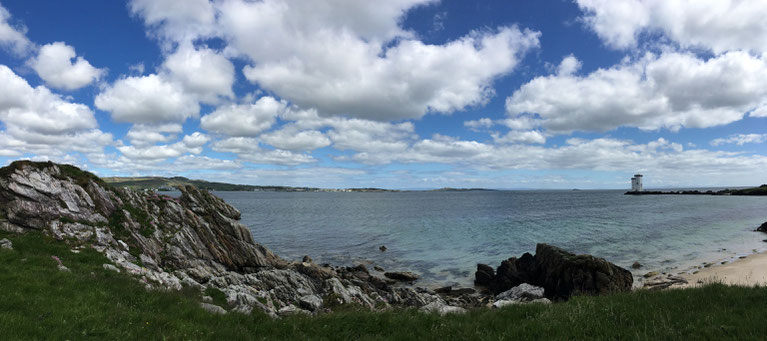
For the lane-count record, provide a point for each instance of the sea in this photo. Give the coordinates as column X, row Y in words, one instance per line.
column 442, row 235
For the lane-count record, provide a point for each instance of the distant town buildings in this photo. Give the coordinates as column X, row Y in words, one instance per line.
column 636, row 183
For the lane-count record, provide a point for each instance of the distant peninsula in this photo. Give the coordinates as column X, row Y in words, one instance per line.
column 170, row 184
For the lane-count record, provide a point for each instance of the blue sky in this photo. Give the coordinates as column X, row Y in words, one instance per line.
column 396, row 94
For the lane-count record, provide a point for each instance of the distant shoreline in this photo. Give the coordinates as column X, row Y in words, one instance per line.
column 755, row 191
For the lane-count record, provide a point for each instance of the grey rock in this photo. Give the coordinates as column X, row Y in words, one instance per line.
column 503, row 303
column 291, row 310
column 523, row 293
column 311, row 302
column 6, row 244
column 110, row 267
column 406, row 276
column 636, row 265
column 441, row 308
column 212, row 308
column 207, row 299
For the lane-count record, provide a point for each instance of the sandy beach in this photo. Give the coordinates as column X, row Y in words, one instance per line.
column 751, row 270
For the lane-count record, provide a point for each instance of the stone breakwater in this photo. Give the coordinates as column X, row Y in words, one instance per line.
column 196, row 240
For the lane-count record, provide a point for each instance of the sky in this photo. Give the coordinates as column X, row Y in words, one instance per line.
column 403, row 94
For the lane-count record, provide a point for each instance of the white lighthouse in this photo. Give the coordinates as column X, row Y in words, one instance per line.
column 636, row 183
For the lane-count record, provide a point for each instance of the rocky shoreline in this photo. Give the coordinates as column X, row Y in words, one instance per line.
column 196, row 240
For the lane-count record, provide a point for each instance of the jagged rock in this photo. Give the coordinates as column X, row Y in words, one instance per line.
column 559, row 272
column 6, row 244
column 523, row 293
column 195, row 240
column 213, row 308
column 311, row 302
column 484, row 275
column 307, row 259
column 405, row 276
column 441, row 308
column 762, row 228
column 378, row 268
column 110, row 267
column 562, row 273
column 636, row 265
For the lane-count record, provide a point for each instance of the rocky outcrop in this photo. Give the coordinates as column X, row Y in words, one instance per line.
column 561, row 274
column 762, row 228
column 195, row 240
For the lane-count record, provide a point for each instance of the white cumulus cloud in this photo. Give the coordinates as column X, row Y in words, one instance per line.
column 54, row 65
column 147, row 100
column 672, row 90
column 716, row 25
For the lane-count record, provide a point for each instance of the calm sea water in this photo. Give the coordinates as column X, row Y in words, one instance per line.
column 443, row 235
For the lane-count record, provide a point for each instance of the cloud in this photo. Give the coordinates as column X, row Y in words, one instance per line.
column 293, row 140
column 195, row 19
column 247, row 149
column 476, row 125
column 202, row 72
column 532, row 137
column 244, row 119
column 54, row 65
column 144, row 135
column 671, row 91
column 740, row 139
column 718, row 26
column 406, row 81
column 147, row 100
column 13, row 38
column 190, row 144
column 37, row 120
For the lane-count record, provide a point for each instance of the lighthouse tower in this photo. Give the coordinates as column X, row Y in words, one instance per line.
column 636, row 183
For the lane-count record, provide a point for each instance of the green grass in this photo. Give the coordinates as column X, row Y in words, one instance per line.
column 39, row 302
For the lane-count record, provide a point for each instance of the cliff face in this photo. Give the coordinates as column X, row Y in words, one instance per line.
column 193, row 240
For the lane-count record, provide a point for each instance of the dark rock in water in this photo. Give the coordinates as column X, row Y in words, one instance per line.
column 307, row 259
column 405, row 276
column 484, row 275
column 515, row 271
column 762, row 228
column 378, row 268
column 360, row 268
column 444, row 290
column 382, row 248
column 636, row 265
column 560, row 273
column 563, row 274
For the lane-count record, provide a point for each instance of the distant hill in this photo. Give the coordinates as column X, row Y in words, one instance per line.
column 169, row 184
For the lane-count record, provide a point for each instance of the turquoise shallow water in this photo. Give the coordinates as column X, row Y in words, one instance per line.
column 442, row 235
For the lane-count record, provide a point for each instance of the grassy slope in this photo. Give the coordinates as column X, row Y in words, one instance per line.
column 39, row 302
